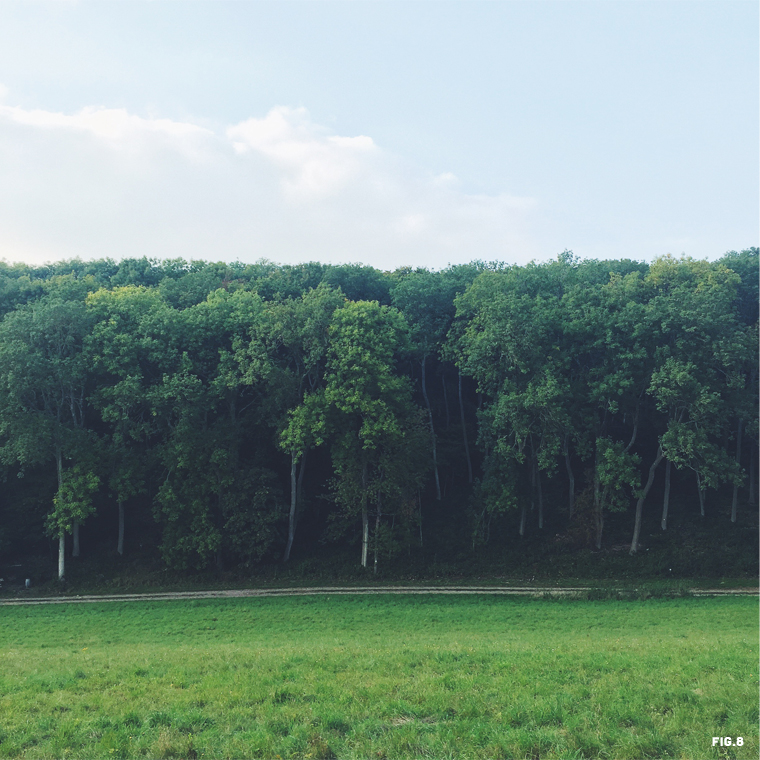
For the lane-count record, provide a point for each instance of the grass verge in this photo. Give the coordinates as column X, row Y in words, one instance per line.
column 382, row 677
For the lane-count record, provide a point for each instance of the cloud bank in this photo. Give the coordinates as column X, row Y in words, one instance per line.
column 106, row 182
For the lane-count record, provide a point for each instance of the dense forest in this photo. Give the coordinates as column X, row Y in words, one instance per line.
column 228, row 415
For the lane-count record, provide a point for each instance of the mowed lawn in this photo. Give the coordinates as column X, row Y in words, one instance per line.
column 380, row 677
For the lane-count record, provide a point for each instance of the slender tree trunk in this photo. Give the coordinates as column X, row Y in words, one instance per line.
column 600, row 494
column 523, row 509
column 640, row 502
column 377, row 530
column 61, row 534
column 739, row 462
column 598, row 502
column 445, row 399
column 606, row 488
column 540, row 500
column 701, row 492
column 634, row 431
column 432, row 431
column 75, row 549
column 627, row 449
column 571, row 481
column 299, row 485
column 599, row 517
column 600, row 525
column 293, row 498
column 419, row 507
column 666, row 498
column 365, row 535
column 365, row 517
column 464, row 432
column 120, row 544
column 752, row 471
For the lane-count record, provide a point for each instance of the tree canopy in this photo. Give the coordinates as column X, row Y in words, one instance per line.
column 233, row 414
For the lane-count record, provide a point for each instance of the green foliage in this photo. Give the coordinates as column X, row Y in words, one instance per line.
column 576, row 361
column 196, row 393
column 43, row 399
column 73, row 500
column 367, row 411
column 617, row 470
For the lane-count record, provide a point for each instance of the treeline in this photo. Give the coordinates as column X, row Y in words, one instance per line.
column 231, row 413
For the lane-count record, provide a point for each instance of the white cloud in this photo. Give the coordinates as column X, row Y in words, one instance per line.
column 313, row 163
column 113, row 125
column 105, row 182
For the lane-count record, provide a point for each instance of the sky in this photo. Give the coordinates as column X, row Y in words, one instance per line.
column 416, row 133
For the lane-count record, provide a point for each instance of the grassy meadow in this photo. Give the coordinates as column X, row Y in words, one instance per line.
column 380, row 677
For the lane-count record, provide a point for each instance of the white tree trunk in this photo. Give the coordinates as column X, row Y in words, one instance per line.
column 701, row 492
column 640, row 502
column 666, row 498
column 292, row 514
column 61, row 534
column 377, row 530
column 365, row 535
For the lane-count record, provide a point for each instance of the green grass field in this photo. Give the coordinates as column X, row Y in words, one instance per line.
column 380, row 677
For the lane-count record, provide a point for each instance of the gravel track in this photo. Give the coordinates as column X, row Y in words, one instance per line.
column 341, row 591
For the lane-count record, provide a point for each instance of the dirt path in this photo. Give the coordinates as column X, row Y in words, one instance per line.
column 341, row 590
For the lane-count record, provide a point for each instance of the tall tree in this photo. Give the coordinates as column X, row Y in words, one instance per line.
column 294, row 335
column 128, row 354
column 691, row 316
column 43, row 391
column 366, row 410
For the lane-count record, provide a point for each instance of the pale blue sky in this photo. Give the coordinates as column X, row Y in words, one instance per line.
column 495, row 130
